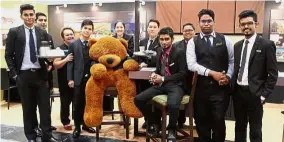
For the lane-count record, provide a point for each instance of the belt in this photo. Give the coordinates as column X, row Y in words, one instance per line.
column 244, row 87
column 31, row 70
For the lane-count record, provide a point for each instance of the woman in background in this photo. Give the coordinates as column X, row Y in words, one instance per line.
column 119, row 27
column 66, row 93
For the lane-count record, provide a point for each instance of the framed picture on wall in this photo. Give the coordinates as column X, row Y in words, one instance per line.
column 277, row 32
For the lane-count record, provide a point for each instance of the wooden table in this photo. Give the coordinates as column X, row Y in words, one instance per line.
column 143, row 74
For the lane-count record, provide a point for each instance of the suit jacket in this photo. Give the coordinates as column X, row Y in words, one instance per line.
column 189, row 76
column 15, row 48
column 154, row 47
column 177, row 66
column 262, row 69
column 130, row 41
column 75, row 68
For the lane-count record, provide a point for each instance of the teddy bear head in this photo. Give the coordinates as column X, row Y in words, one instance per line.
column 108, row 50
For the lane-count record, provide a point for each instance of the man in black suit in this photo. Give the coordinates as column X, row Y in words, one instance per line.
column 150, row 43
column 40, row 21
column 30, row 73
column 167, row 79
column 254, row 78
column 188, row 32
column 211, row 54
column 78, row 73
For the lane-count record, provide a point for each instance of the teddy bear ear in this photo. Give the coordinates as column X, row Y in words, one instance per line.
column 92, row 41
column 124, row 42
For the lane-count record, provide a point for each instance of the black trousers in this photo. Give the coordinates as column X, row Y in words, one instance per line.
column 34, row 91
column 79, row 103
column 248, row 109
column 66, row 97
column 175, row 94
column 210, row 106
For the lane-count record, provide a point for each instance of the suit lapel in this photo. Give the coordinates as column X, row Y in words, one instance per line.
column 22, row 38
column 37, row 33
column 253, row 50
column 239, row 53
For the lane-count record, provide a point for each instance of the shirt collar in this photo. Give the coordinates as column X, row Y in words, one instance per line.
column 82, row 40
column 33, row 27
column 152, row 38
column 251, row 39
column 213, row 34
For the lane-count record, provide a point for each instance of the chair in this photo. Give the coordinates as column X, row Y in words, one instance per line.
column 7, row 83
column 160, row 102
column 113, row 92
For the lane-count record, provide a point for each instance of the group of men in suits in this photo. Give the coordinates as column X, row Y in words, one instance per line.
column 247, row 70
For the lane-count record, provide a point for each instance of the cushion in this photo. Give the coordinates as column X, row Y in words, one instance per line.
column 162, row 99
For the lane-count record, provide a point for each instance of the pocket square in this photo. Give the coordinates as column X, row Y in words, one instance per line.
column 171, row 64
column 220, row 43
column 259, row 51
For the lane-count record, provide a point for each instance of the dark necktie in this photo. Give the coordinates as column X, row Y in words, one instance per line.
column 32, row 47
column 244, row 57
column 86, row 44
column 208, row 41
column 151, row 42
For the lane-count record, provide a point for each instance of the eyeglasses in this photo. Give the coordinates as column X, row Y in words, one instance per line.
column 206, row 21
column 165, row 39
column 247, row 23
column 188, row 30
column 42, row 20
column 28, row 14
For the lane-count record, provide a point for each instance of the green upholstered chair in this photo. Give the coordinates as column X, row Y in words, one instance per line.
column 160, row 102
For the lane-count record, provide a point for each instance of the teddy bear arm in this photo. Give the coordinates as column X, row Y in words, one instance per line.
column 98, row 71
column 130, row 65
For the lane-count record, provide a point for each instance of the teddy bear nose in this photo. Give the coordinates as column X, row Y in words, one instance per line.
column 109, row 60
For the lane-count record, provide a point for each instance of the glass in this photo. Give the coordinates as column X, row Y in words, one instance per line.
column 165, row 39
column 206, row 21
column 188, row 30
column 250, row 23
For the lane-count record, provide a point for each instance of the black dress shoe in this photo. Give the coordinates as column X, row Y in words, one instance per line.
column 171, row 135
column 38, row 132
column 282, row 112
column 76, row 133
column 52, row 128
column 89, row 129
column 144, row 125
column 154, row 130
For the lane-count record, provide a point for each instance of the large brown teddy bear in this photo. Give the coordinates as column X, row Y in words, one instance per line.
column 111, row 70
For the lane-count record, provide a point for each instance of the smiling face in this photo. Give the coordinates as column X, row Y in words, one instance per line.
column 28, row 16
column 42, row 22
column 166, row 40
column 153, row 29
column 248, row 26
column 86, row 31
column 188, row 32
column 119, row 29
column 68, row 36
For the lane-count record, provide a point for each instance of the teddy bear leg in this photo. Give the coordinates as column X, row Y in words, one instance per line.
column 94, row 103
column 127, row 91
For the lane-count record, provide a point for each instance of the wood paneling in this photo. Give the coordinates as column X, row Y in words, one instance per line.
column 190, row 10
column 257, row 6
column 224, row 15
column 168, row 14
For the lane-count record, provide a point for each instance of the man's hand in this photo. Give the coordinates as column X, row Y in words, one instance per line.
column 158, row 79
column 224, row 79
column 49, row 67
column 68, row 58
column 71, row 83
column 143, row 65
column 216, row 75
column 262, row 99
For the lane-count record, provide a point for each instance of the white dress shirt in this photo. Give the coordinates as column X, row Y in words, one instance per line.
column 149, row 42
column 27, row 64
column 201, row 70
column 249, row 48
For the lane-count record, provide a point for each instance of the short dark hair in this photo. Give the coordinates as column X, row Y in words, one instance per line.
column 39, row 14
column 26, row 7
column 63, row 29
column 188, row 24
column 248, row 13
column 167, row 31
column 155, row 21
column 87, row 22
column 118, row 22
column 206, row 12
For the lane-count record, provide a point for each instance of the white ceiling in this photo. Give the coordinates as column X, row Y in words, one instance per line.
column 57, row 2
